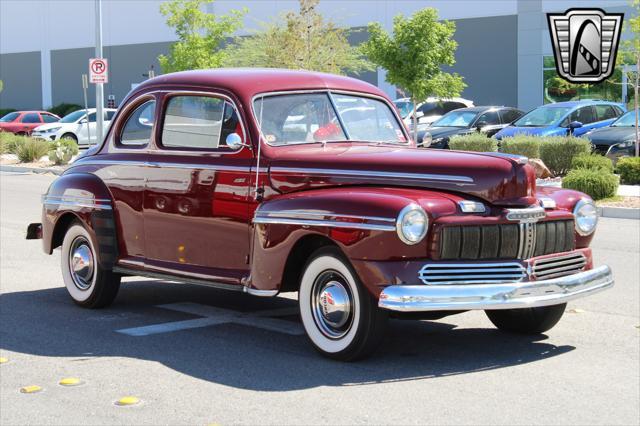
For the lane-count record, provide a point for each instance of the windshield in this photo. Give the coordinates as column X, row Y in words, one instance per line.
column 543, row 116
column 9, row 117
column 405, row 107
column 311, row 117
column 456, row 119
column 627, row 120
column 73, row 117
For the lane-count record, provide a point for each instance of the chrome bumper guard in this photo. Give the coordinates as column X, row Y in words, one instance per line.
column 421, row 298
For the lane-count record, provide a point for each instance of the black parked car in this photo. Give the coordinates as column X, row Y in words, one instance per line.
column 485, row 119
column 616, row 140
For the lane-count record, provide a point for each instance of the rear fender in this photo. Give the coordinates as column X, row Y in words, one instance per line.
column 85, row 198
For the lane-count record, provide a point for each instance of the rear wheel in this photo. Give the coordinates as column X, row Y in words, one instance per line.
column 88, row 284
column 341, row 318
column 527, row 320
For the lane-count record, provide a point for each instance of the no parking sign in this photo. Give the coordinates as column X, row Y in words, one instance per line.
column 98, row 70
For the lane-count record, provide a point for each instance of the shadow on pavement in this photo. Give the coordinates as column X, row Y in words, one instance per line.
column 47, row 323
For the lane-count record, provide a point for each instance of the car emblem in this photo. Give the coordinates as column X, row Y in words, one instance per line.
column 585, row 43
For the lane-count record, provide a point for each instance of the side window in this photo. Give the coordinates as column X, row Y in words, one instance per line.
column 31, row 118
column 109, row 115
column 489, row 117
column 510, row 115
column 196, row 122
column 92, row 117
column 605, row 112
column 618, row 110
column 139, row 126
column 583, row 115
column 49, row 118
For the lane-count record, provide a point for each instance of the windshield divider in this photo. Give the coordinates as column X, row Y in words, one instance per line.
column 337, row 111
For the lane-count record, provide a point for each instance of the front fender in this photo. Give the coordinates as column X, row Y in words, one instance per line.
column 83, row 197
column 361, row 221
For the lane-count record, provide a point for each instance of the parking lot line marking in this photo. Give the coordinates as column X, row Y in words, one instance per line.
column 168, row 327
column 216, row 316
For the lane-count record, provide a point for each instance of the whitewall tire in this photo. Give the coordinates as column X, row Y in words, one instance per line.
column 340, row 317
column 88, row 284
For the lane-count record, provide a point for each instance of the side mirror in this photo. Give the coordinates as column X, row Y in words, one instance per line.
column 84, row 121
column 480, row 125
column 427, row 138
column 574, row 125
column 419, row 114
column 234, row 141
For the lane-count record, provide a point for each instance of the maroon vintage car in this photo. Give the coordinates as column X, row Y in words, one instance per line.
column 268, row 181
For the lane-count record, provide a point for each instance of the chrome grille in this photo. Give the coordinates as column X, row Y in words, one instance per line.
column 558, row 266
column 471, row 273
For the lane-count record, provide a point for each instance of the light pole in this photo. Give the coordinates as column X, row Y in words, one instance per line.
column 99, row 86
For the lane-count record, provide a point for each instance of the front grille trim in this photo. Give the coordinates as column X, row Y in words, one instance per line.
column 505, row 241
column 472, row 273
column 558, row 266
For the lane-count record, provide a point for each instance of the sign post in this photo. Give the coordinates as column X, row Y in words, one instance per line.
column 85, row 86
column 100, row 69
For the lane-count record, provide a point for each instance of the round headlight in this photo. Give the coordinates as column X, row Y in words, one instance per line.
column 586, row 217
column 412, row 224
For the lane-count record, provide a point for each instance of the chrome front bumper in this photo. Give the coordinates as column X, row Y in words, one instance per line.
column 420, row 298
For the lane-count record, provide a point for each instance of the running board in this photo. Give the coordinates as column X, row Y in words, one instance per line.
column 195, row 281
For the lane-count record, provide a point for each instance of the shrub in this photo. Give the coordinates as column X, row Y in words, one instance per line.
column 63, row 109
column 557, row 153
column 598, row 184
column 526, row 145
column 593, row 162
column 629, row 170
column 32, row 150
column 61, row 151
column 473, row 142
column 9, row 142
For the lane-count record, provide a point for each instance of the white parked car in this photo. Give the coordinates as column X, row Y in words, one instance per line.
column 428, row 111
column 79, row 125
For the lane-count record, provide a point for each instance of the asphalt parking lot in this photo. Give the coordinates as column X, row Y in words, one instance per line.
column 194, row 355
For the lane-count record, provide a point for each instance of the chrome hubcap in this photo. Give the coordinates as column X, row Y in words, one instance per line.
column 332, row 304
column 81, row 263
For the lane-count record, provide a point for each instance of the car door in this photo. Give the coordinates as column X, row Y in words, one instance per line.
column 86, row 129
column 29, row 122
column 586, row 116
column 196, row 197
column 488, row 123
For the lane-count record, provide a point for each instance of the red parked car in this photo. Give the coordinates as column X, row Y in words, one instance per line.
column 23, row 122
column 268, row 181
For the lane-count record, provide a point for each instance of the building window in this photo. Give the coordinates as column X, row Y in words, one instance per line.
column 557, row 89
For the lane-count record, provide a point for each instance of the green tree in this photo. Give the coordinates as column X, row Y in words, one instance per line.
column 629, row 53
column 200, row 35
column 415, row 54
column 1, row 86
column 298, row 40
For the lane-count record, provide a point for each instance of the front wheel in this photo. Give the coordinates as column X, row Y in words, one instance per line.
column 340, row 317
column 527, row 320
column 88, row 284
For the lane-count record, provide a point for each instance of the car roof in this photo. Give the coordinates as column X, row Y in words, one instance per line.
column 582, row 102
column 483, row 108
column 249, row 82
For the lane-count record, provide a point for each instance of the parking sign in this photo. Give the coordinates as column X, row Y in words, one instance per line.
column 98, row 70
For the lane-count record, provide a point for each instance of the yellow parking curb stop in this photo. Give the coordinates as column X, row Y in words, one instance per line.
column 3, row 360
column 30, row 389
column 128, row 400
column 70, row 381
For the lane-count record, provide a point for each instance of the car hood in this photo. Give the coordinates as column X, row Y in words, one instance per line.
column 498, row 179
column 441, row 132
column 48, row 126
column 534, row 131
column 611, row 135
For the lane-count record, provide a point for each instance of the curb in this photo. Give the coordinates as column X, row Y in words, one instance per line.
column 30, row 170
column 619, row 212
